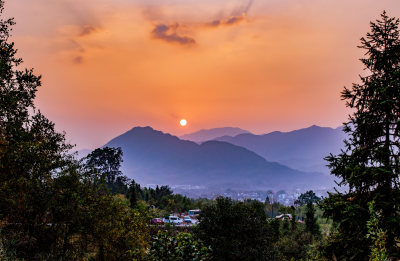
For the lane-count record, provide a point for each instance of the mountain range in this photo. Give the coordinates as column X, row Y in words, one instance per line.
column 302, row 149
column 210, row 134
column 154, row 157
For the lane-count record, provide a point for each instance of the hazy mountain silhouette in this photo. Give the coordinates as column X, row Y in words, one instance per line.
column 302, row 149
column 153, row 157
column 210, row 134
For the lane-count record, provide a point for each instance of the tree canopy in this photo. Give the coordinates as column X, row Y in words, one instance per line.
column 307, row 197
column 51, row 206
column 369, row 163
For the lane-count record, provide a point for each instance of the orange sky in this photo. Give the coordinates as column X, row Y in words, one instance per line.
column 260, row 65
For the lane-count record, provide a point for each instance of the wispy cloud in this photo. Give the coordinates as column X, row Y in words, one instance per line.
column 78, row 59
column 77, row 41
column 87, row 30
column 170, row 33
column 230, row 21
column 238, row 15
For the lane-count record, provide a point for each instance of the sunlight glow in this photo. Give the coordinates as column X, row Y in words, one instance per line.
column 183, row 122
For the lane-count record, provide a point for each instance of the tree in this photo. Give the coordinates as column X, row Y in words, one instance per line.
column 52, row 207
column 134, row 193
column 180, row 247
column 307, row 197
column 235, row 230
column 31, row 153
column 369, row 164
column 106, row 161
column 311, row 222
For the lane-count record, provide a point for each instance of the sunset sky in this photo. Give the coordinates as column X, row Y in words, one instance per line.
column 262, row 65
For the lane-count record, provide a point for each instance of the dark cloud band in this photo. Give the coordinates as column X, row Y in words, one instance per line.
column 169, row 33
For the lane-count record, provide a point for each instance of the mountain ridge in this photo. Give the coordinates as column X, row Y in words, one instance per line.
column 210, row 134
column 154, row 157
column 302, row 149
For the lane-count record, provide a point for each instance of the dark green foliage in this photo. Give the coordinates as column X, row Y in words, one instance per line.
column 235, row 230
column 51, row 207
column 272, row 209
column 307, row 197
column 369, row 164
column 176, row 203
column 377, row 235
column 177, row 247
column 106, row 163
column 311, row 222
column 154, row 196
column 134, row 194
column 291, row 244
column 160, row 197
column 30, row 154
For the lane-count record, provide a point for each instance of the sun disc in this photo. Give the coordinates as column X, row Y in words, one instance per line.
column 183, row 122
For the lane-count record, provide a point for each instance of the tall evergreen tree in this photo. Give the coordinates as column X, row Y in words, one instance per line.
column 311, row 221
column 369, row 164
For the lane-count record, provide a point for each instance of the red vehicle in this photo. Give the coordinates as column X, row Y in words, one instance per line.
column 158, row 221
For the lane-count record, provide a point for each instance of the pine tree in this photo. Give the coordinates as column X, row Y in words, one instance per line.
column 311, row 222
column 369, row 164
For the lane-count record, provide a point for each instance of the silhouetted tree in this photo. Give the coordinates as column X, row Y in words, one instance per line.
column 369, row 165
column 311, row 222
column 31, row 152
column 235, row 230
column 50, row 206
column 107, row 162
column 134, row 193
column 307, row 197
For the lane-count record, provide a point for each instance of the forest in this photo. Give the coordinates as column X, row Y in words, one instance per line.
column 56, row 207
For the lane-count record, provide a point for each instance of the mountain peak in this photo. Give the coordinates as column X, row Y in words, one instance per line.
column 154, row 157
column 140, row 128
column 210, row 134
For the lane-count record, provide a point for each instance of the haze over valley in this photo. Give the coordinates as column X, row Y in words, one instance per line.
column 211, row 162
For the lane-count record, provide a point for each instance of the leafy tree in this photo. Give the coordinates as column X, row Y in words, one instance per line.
column 291, row 245
column 118, row 231
column 31, row 153
column 182, row 246
column 378, row 236
column 51, row 207
column 309, row 196
column 107, row 162
column 176, row 203
column 235, row 230
column 369, row 164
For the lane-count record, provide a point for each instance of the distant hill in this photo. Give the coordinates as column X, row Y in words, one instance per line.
column 154, row 157
column 210, row 134
column 302, row 149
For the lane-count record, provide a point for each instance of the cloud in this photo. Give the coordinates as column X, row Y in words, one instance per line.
column 78, row 59
column 77, row 42
column 230, row 21
column 247, row 8
column 87, row 30
column 170, row 33
column 237, row 16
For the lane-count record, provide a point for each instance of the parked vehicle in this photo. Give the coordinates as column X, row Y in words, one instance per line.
column 187, row 220
column 194, row 212
column 158, row 221
column 174, row 220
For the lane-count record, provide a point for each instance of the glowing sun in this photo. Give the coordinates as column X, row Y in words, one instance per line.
column 183, row 122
